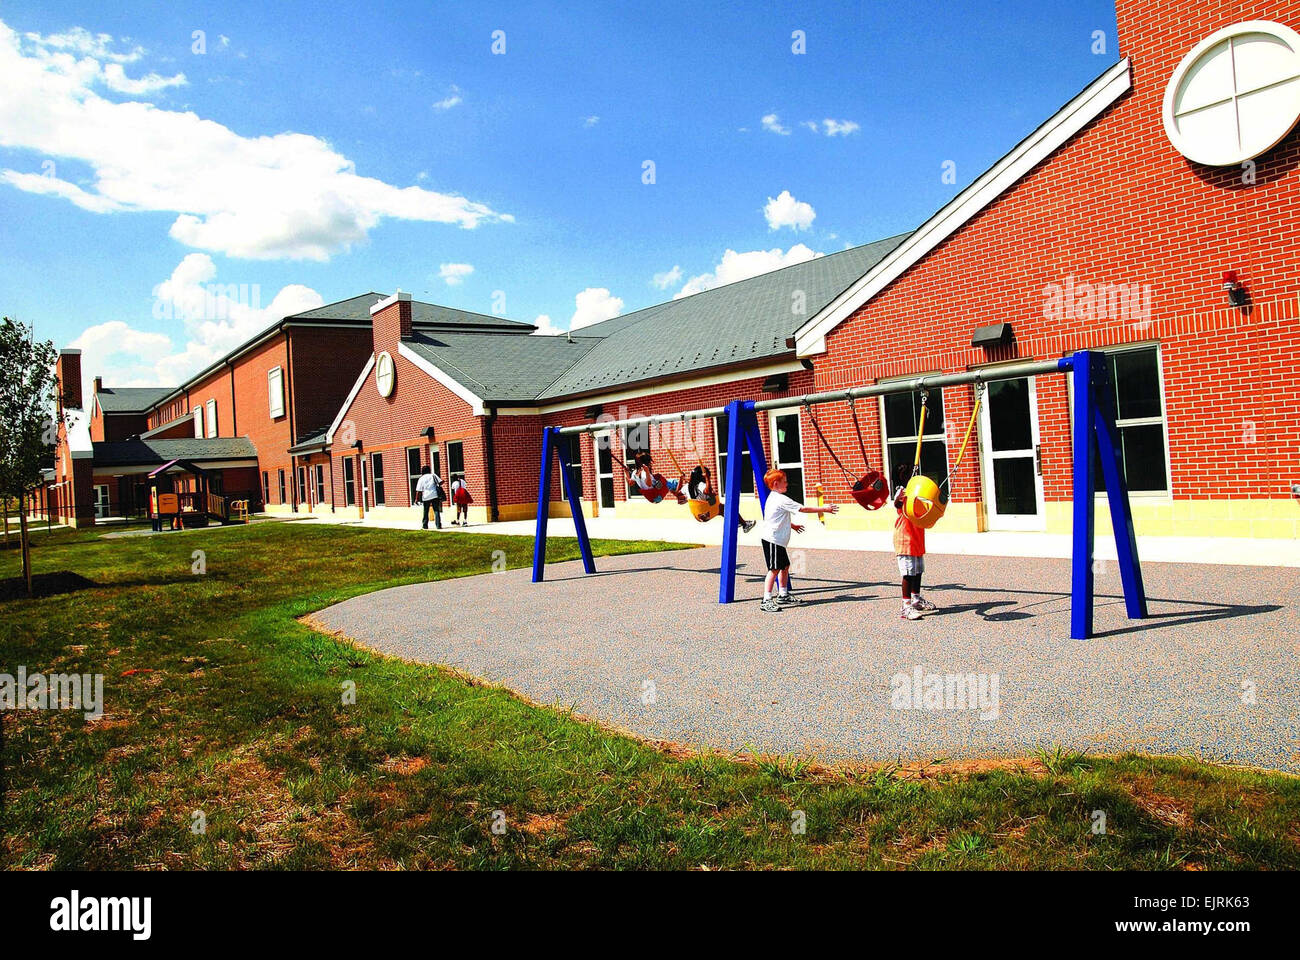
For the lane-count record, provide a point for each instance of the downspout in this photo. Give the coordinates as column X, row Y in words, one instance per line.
column 293, row 430
column 489, row 465
column 234, row 415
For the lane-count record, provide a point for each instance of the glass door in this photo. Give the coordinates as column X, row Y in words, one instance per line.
column 1012, row 458
column 787, row 450
column 604, row 458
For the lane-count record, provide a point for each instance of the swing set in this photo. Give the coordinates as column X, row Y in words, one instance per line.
column 1094, row 433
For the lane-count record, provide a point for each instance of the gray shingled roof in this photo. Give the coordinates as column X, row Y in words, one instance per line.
column 310, row 440
column 130, row 399
column 743, row 322
column 497, row 368
column 123, row 453
column 357, row 309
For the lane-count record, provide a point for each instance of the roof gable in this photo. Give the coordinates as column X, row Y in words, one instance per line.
column 1089, row 104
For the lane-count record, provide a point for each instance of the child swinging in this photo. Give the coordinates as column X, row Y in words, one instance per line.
column 653, row 486
column 704, row 501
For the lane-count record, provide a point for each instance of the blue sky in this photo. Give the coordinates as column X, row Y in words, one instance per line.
column 316, row 151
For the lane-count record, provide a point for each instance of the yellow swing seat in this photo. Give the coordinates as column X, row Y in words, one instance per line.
column 704, row 511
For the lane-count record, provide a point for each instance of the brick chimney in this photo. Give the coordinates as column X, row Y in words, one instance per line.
column 99, row 387
column 68, row 373
column 390, row 321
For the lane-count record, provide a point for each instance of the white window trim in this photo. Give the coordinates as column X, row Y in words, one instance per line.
column 199, row 427
column 1149, row 496
column 273, row 374
column 210, row 428
column 381, row 479
column 774, row 459
column 885, row 439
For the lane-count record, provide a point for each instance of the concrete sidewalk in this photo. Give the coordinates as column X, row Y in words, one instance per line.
column 1216, row 550
column 645, row 646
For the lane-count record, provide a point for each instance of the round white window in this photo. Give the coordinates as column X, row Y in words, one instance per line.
column 385, row 375
column 1236, row 95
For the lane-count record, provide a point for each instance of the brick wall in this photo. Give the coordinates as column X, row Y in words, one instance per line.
column 389, row 425
column 1118, row 204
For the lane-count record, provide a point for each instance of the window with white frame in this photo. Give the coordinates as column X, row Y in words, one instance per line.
column 275, row 391
column 377, row 479
column 900, row 415
column 198, row 422
column 1137, row 387
column 211, row 425
column 320, row 483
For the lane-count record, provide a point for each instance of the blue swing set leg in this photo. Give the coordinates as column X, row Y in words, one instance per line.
column 1094, row 432
column 742, row 436
column 553, row 444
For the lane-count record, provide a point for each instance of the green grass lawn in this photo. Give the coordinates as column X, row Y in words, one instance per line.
column 237, row 711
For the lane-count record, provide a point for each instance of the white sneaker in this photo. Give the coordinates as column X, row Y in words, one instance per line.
column 909, row 612
column 925, row 606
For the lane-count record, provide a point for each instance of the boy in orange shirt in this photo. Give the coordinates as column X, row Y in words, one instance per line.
column 909, row 545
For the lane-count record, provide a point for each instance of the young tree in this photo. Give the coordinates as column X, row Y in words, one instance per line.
column 28, row 419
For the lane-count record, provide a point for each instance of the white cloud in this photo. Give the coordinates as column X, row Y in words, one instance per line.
column 669, row 278
column 594, row 305
column 451, row 100
column 811, row 125
column 741, row 266
column 80, row 40
column 455, row 273
column 786, row 211
column 283, row 196
column 772, row 123
column 213, row 317
column 115, row 79
column 590, row 121
column 545, row 327
column 839, row 128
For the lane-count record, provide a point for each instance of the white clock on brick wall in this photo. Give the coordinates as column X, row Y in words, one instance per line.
column 1236, row 94
column 385, row 375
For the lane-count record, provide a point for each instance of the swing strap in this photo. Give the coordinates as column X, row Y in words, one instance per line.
column 974, row 415
column 920, row 432
column 857, row 428
column 821, row 436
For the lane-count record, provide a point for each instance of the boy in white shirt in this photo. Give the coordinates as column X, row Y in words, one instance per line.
column 774, row 530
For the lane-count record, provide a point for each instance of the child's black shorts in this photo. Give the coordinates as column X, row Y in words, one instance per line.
column 775, row 555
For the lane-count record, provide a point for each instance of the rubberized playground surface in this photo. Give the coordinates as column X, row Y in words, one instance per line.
column 818, row 680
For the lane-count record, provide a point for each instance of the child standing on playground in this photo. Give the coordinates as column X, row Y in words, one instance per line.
column 909, row 546
column 774, row 530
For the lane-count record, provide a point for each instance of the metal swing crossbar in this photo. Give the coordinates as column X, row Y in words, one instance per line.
column 1092, row 412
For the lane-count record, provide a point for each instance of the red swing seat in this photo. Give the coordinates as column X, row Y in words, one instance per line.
column 656, row 493
column 871, row 492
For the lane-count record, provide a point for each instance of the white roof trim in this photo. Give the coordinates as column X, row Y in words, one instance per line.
column 1029, row 153
column 352, row 395
column 475, row 402
column 389, row 301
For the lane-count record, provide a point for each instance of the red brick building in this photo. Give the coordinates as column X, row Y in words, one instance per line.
column 1154, row 217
